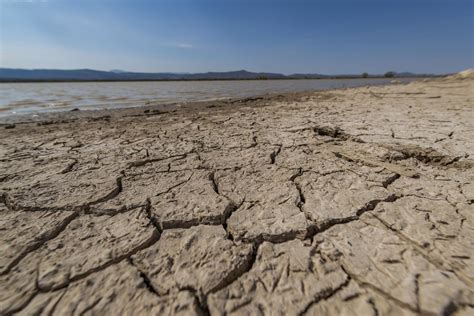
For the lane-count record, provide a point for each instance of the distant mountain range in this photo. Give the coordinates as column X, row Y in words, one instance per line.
column 11, row 74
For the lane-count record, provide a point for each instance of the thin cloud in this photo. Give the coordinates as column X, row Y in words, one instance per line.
column 184, row 45
column 23, row 1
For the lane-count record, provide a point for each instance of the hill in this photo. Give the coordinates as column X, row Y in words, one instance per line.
column 15, row 74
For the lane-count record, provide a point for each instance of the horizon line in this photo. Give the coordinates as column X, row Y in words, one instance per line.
column 121, row 71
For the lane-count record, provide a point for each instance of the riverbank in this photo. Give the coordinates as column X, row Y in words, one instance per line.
column 38, row 98
column 334, row 202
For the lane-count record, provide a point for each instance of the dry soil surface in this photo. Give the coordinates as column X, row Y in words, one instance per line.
column 357, row 201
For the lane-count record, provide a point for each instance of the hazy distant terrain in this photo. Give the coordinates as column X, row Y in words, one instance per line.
column 11, row 74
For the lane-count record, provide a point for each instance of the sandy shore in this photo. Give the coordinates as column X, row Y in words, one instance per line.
column 357, row 201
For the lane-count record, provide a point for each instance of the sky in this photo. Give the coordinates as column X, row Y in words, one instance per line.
column 292, row 36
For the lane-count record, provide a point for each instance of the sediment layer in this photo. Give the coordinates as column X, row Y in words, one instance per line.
column 357, row 201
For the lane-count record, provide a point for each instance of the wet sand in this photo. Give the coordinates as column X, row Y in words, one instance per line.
column 351, row 201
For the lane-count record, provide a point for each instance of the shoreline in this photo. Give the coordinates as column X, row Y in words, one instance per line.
column 257, row 99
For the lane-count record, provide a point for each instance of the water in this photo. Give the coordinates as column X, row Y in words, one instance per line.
column 31, row 98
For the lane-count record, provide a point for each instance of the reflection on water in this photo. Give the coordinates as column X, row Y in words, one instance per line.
column 18, row 98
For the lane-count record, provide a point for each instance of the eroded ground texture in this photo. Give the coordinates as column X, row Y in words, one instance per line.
column 347, row 202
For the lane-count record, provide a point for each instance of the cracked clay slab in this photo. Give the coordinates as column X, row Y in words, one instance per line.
column 21, row 232
column 285, row 279
column 393, row 266
column 105, row 292
column 90, row 243
column 200, row 258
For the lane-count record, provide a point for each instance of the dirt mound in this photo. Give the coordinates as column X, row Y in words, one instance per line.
column 465, row 74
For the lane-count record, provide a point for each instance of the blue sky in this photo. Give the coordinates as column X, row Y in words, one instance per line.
column 339, row 36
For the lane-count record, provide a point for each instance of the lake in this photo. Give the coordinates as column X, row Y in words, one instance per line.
column 31, row 98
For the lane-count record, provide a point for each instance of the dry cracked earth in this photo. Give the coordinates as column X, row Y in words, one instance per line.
column 345, row 202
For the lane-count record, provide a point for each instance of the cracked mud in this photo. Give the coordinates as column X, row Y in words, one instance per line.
column 357, row 201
